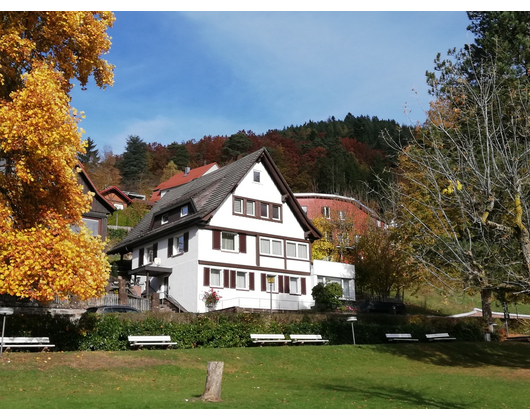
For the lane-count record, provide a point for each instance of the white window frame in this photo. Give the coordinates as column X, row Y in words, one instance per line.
column 184, row 211
column 253, row 208
column 342, row 215
column 296, row 281
column 149, row 254
column 256, row 177
column 243, row 274
column 261, row 207
column 236, row 241
column 304, row 209
column 89, row 223
column 176, row 245
column 241, row 204
column 275, row 206
column 164, row 219
column 326, row 211
column 220, row 273
column 270, row 246
column 297, row 246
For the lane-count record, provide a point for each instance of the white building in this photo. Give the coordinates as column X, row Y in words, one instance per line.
column 238, row 230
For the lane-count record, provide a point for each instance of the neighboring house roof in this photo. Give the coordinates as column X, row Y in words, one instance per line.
column 182, row 178
column 97, row 195
column 205, row 194
column 118, row 192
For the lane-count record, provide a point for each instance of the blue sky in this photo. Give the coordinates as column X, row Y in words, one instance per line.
column 185, row 75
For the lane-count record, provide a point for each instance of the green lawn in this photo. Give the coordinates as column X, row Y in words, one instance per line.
column 403, row 375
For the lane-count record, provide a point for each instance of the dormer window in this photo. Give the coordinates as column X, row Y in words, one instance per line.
column 183, row 211
column 165, row 218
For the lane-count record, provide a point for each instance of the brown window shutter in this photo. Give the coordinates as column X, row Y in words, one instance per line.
column 286, row 287
column 155, row 249
column 141, row 258
column 280, row 284
column 226, row 274
column 206, row 280
column 216, row 239
column 170, row 247
column 243, row 243
column 302, row 281
column 232, row 279
column 251, row 281
column 263, row 282
column 186, row 239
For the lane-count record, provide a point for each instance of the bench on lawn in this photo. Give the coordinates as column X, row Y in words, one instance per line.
column 269, row 339
column 27, row 342
column 138, row 341
column 307, row 338
column 400, row 337
column 439, row 336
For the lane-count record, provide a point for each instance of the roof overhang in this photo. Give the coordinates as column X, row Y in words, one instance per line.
column 151, row 270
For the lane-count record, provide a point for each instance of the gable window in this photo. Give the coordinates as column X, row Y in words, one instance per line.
column 251, row 208
column 264, row 210
column 342, row 215
column 257, row 176
column 271, row 247
column 165, row 218
column 238, row 205
column 326, row 212
column 276, row 212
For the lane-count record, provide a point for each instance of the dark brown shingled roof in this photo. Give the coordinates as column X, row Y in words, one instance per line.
column 206, row 194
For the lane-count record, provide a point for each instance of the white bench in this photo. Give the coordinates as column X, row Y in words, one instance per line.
column 439, row 336
column 27, row 342
column 307, row 338
column 400, row 337
column 269, row 339
column 138, row 341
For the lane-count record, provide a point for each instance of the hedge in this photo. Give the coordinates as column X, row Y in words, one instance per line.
column 109, row 332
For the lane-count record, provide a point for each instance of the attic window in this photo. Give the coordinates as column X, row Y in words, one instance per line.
column 183, row 211
column 165, row 218
column 256, row 176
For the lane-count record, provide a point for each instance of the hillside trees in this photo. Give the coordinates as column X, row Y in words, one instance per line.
column 134, row 164
column 41, row 256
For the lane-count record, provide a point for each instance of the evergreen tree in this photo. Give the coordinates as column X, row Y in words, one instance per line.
column 90, row 158
column 134, row 164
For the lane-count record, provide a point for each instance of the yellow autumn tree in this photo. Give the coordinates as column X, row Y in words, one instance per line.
column 45, row 249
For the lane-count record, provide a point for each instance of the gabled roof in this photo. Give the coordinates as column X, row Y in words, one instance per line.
column 205, row 195
column 90, row 185
column 118, row 192
column 180, row 179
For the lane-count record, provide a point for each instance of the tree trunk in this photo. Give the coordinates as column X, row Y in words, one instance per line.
column 485, row 295
column 212, row 390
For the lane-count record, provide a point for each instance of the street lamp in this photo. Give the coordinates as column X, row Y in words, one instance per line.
column 352, row 319
column 270, row 280
column 5, row 312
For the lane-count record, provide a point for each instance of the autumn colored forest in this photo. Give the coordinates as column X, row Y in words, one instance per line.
column 343, row 157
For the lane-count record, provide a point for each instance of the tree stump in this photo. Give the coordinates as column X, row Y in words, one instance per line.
column 212, row 390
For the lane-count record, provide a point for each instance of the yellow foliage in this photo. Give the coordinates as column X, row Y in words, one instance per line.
column 41, row 256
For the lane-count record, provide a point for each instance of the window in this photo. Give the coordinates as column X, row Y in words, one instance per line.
column 342, row 215
column 228, row 241
column 326, row 212
column 304, row 208
column 92, row 225
column 238, row 205
column 275, row 212
column 241, row 280
column 178, row 245
column 118, row 206
column 348, row 285
column 183, row 211
column 251, row 208
column 264, row 210
column 215, row 277
column 271, row 247
column 256, row 176
column 165, row 218
column 295, row 250
column 294, row 285
column 149, row 255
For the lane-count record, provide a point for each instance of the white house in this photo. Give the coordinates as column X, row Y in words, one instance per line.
column 238, row 230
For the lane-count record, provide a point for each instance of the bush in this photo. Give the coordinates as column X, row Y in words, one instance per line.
column 327, row 296
column 110, row 332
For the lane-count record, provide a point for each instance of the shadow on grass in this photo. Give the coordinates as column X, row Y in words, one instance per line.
column 455, row 354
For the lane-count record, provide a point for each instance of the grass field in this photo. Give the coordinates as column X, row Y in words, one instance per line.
column 451, row 375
